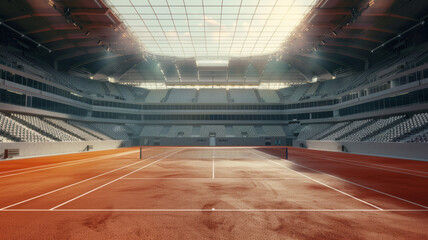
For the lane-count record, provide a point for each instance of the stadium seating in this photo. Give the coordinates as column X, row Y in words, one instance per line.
column 243, row 96
column 20, row 131
column 151, row 130
column 165, row 131
column 126, row 92
column 391, row 129
column 113, row 90
column 133, row 129
column 273, row 130
column 39, row 125
column 196, row 131
column 29, row 128
column 155, row 96
column 312, row 89
column 87, row 128
column 298, row 92
column 182, row 96
column 269, row 96
column 420, row 137
column 330, row 130
column 212, row 96
column 87, row 86
column 245, row 131
column 285, row 93
column 308, row 131
column 180, row 131
column 219, row 130
column 346, row 130
column 375, row 127
column 114, row 131
column 4, row 139
column 72, row 129
column 402, row 129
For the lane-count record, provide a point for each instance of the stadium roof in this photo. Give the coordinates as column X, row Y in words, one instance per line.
column 211, row 28
column 94, row 36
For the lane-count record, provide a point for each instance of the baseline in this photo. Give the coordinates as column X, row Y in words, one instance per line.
column 214, row 210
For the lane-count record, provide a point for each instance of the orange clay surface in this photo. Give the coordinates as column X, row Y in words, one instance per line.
column 213, row 193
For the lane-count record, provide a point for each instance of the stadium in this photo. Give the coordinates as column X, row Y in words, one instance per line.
column 213, row 119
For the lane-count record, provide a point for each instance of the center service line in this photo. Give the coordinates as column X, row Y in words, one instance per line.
column 213, row 166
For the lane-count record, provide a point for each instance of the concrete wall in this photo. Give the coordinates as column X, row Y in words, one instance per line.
column 27, row 149
column 418, row 151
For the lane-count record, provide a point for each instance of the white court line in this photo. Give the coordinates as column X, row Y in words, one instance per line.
column 108, row 183
column 374, row 164
column 368, row 165
column 46, row 165
column 215, row 210
column 59, row 163
column 356, row 184
column 71, row 185
column 231, row 178
column 324, row 184
column 213, row 166
column 70, row 164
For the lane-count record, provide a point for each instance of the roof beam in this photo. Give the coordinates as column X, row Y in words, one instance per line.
column 53, row 28
column 368, row 28
column 347, row 46
column 341, row 36
column 68, row 46
column 64, row 38
column 332, row 11
column 38, row 13
column 389, row 15
column 301, row 68
column 323, row 25
column 98, row 25
column 89, row 11
column 322, row 58
column 107, row 55
column 343, row 53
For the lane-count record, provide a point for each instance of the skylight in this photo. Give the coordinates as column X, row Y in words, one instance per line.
column 208, row 29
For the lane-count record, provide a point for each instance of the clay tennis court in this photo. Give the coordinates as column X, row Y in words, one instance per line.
column 213, row 192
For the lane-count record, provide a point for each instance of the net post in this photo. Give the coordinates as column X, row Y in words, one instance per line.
column 286, row 153
column 141, row 153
